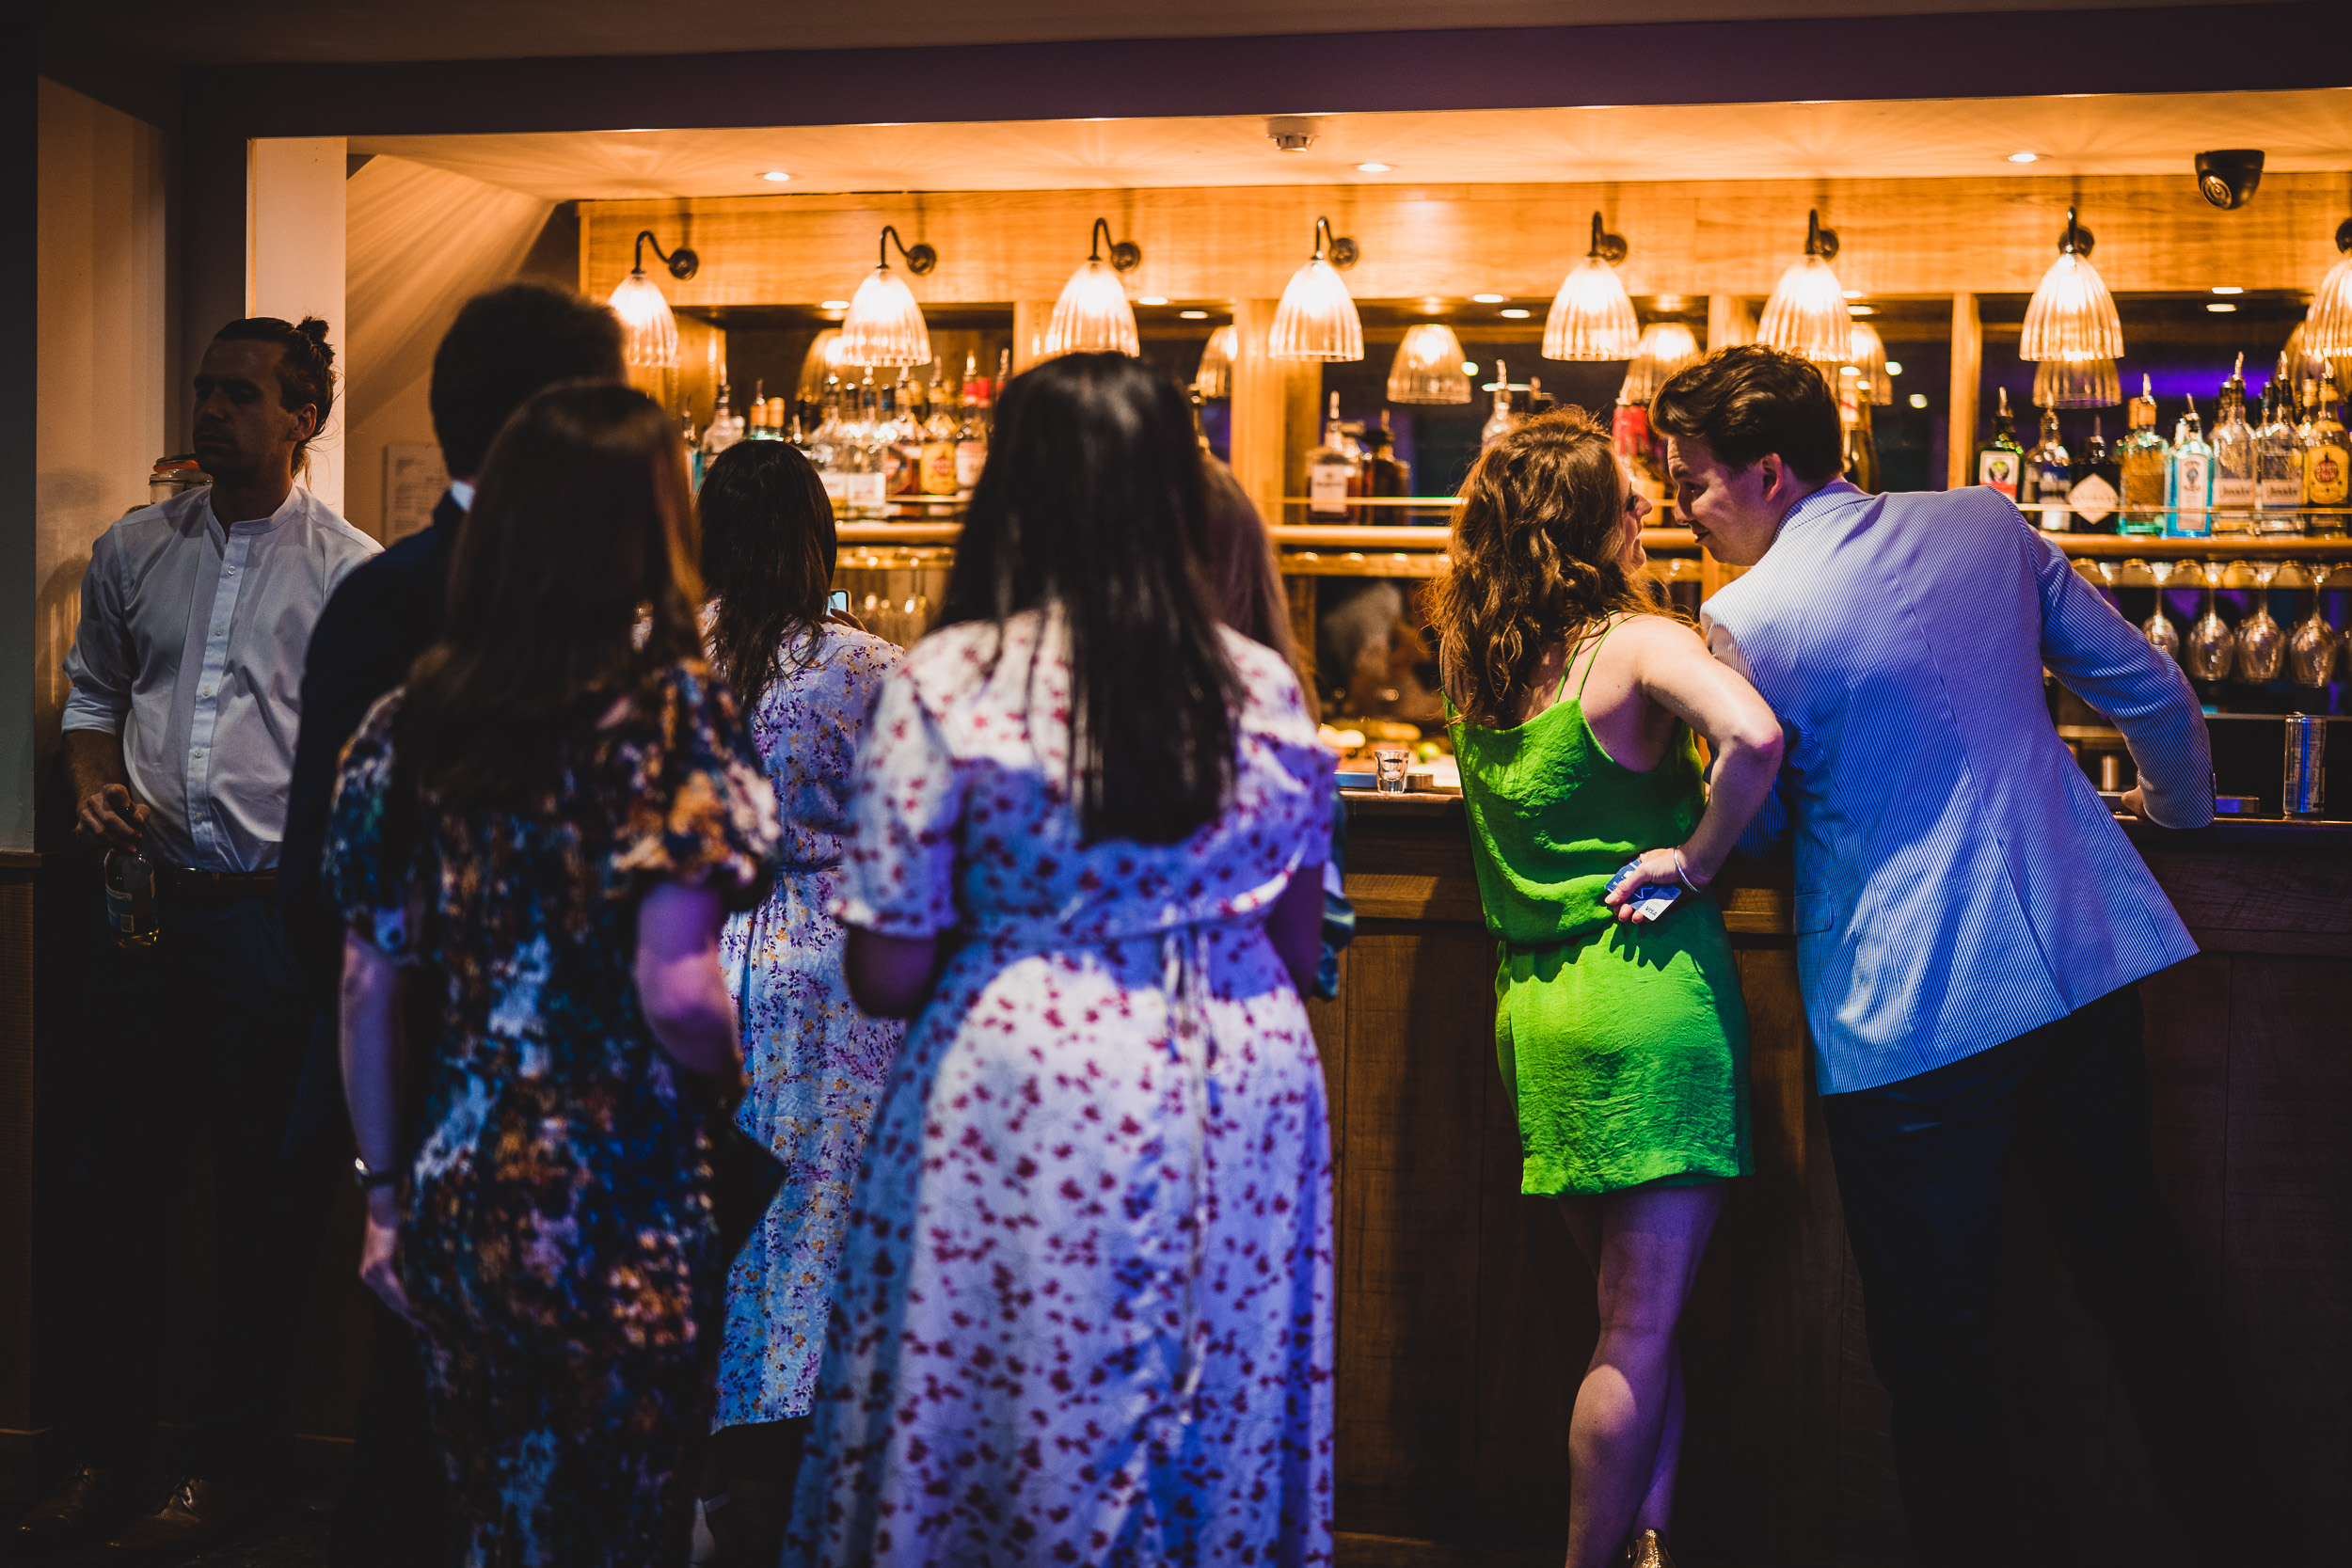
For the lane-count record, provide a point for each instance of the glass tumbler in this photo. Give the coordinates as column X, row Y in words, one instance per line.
column 1388, row 763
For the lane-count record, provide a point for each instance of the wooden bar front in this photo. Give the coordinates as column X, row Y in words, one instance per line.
column 1466, row 1316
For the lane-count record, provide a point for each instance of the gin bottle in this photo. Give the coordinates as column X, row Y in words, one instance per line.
column 2233, row 461
column 2189, row 494
column 2277, row 468
column 2144, row 459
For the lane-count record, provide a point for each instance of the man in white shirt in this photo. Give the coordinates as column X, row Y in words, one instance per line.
column 178, row 742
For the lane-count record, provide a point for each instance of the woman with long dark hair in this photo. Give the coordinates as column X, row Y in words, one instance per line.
column 545, row 827
column 1622, row 1039
column 815, row 1061
column 1085, row 1309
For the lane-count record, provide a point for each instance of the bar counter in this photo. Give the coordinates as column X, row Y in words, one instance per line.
column 1466, row 1319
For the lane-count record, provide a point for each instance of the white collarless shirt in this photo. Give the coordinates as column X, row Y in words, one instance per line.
column 190, row 648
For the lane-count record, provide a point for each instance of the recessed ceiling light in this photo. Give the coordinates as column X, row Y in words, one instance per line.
column 1861, row 311
column 1373, row 168
column 2227, row 289
column 1490, row 299
column 1918, row 400
column 2221, row 307
column 778, row 175
column 1852, row 294
column 1193, row 316
column 1894, row 367
column 2025, row 157
column 1153, row 299
column 832, row 305
column 1515, row 313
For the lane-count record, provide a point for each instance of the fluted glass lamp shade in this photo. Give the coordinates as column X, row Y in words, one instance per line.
column 1092, row 315
column 2299, row 364
column 2076, row 384
column 1868, row 359
column 1428, row 367
column 822, row 360
column 2072, row 316
column 1214, row 379
column 1592, row 316
column 1318, row 318
column 649, row 330
column 1806, row 315
column 885, row 325
column 1665, row 348
column 2328, row 327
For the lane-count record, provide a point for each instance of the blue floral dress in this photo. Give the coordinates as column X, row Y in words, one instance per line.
column 556, row 1238
column 1085, row 1300
column 815, row 1063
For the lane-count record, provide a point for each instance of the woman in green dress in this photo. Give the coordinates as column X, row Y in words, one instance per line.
column 1622, row 1038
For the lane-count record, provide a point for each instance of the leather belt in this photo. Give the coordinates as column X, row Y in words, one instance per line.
column 184, row 886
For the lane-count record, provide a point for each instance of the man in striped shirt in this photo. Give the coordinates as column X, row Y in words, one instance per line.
column 1970, row 921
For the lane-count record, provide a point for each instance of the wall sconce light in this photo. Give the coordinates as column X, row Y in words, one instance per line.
column 2327, row 326
column 2072, row 316
column 649, row 330
column 885, row 325
column 1092, row 315
column 1318, row 318
column 1428, row 367
column 1665, row 348
column 1806, row 315
column 1592, row 317
column 1214, row 377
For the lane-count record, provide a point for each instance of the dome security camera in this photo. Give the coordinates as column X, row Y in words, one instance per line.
column 2229, row 179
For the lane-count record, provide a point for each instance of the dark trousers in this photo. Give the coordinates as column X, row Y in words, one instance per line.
column 201, row 1037
column 1922, row 1165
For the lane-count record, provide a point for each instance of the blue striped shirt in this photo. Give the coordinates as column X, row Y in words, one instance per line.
column 1959, row 881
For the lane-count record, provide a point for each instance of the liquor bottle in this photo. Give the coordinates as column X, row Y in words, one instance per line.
column 777, row 419
column 2145, row 460
column 1382, row 474
column 2001, row 462
column 829, row 449
column 2189, row 492
column 906, row 464
column 1498, row 424
column 2277, row 468
column 1330, row 471
column 2049, row 474
column 971, row 431
column 2233, row 467
column 130, row 878
column 724, row 430
column 756, row 413
column 2326, row 461
column 939, row 443
column 2098, row 486
column 1862, row 447
column 868, row 479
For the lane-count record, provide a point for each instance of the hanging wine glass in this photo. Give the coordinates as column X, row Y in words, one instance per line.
column 2158, row 628
column 2261, row 643
column 2212, row 646
column 2107, row 570
column 2312, row 650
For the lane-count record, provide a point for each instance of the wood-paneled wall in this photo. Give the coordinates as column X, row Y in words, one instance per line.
column 1466, row 1316
column 1988, row 235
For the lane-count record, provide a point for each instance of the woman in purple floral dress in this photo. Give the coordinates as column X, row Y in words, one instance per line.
column 816, row 1062
column 1085, row 1298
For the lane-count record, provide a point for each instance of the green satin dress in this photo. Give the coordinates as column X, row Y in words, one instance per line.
column 1625, row 1045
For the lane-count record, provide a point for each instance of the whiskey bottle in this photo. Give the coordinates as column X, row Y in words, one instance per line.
column 2277, row 468
column 2233, row 463
column 2098, row 487
column 2326, row 461
column 1382, row 474
column 2049, row 474
column 2001, row 462
column 2144, row 460
column 1330, row 472
column 2189, row 492
column 939, row 443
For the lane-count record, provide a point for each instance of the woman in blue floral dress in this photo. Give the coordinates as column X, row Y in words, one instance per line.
column 816, row 1062
column 541, row 829
column 1085, row 1294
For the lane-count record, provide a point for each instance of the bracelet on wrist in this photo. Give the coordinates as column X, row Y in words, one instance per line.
column 370, row 1179
column 1683, row 872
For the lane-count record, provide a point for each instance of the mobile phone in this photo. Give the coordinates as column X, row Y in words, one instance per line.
column 840, row 600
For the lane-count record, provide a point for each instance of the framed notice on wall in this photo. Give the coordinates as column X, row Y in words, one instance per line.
column 413, row 482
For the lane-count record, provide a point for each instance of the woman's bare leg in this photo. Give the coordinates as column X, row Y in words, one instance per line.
column 1649, row 1244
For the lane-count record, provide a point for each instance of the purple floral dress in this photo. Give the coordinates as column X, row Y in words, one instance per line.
column 815, row 1063
column 1085, row 1297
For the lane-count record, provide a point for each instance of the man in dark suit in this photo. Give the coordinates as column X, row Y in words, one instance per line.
column 505, row 346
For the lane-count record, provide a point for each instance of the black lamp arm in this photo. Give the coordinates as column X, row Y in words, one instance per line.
column 682, row 263
column 920, row 258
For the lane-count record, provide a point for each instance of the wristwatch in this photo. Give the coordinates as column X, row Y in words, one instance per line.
column 369, row 1178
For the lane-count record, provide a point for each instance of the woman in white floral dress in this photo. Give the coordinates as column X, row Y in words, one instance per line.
column 815, row 1063
column 1085, row 1307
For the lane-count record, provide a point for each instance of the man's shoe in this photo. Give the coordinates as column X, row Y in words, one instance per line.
column 196, row 1515
column 91, row 1499
column 1649, row 1550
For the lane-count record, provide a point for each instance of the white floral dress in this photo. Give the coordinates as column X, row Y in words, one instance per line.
column 815, row 1063
column 1086, row 1313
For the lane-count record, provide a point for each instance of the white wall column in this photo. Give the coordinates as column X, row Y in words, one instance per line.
column 293, row 267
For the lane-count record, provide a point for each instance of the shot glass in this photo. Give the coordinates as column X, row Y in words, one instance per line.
column 1388, row 764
